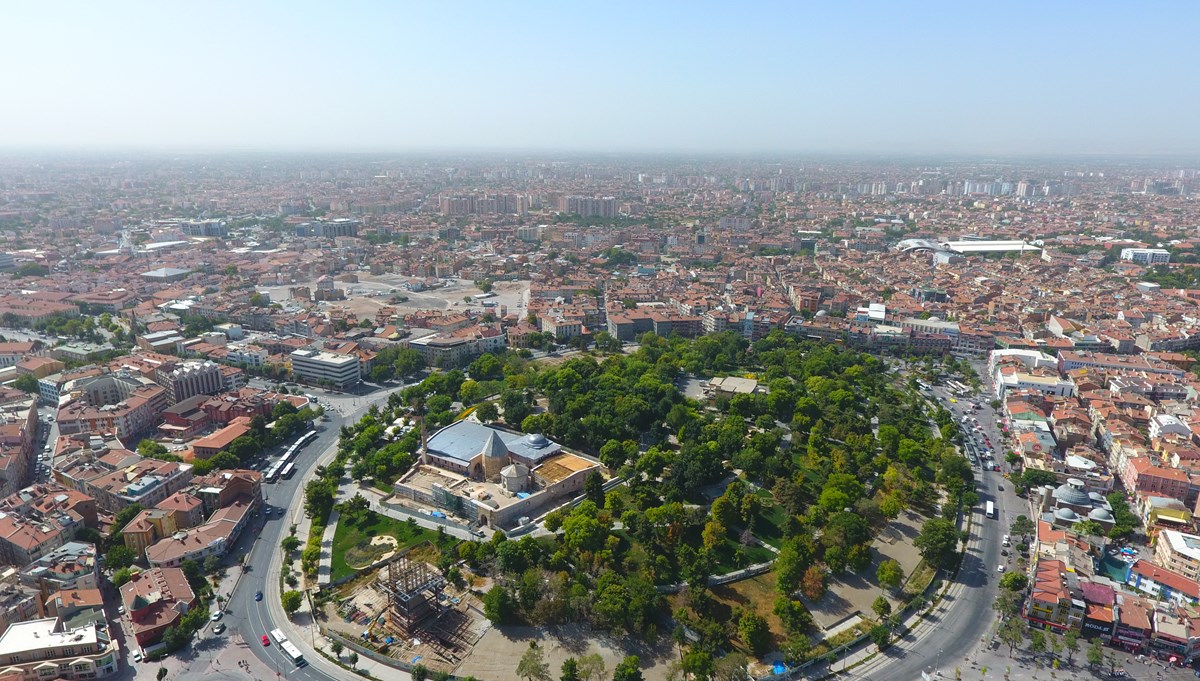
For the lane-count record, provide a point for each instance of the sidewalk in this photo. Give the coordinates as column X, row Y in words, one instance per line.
column 301, row 629
column 866, row 658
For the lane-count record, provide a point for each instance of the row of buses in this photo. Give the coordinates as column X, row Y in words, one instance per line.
column 285, row 467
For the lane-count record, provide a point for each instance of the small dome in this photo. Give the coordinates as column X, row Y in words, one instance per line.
column 1072, row 495
column 822, row 313
column 1101, row 514
column 1096, row 496
column 1066, row 514
column 537, row 440
column 514, row 470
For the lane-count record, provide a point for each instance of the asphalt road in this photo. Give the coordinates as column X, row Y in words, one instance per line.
column 250, row 619
column 968, row 615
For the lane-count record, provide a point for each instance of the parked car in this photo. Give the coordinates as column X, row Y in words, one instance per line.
column 219, row 628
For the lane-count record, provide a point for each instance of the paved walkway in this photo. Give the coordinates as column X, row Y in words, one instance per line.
column 301, row 629
column 866, row 658
column 324, row 568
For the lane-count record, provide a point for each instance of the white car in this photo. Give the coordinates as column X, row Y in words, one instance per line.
column 999, row 568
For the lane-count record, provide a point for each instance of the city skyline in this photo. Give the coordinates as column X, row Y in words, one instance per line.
column 865, row 79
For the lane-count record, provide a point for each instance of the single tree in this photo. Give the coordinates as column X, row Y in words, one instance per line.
column 1012, row 633
column 1014, row 581
column 292, row 601
column 754, row 632
column 812, row 585
column 881, row 636
column 1007, row 603
column 889, row 574
column 1037, row 642
column 352, row 660
column 337, row 649
column 1022, row 527
column 937, row 541
column 532, row 665
column 732, row 667
column 162, row 673
column 1071, row 643
column 1095, row 653
column 592, row 668
column 628, row 669
column 882, row 607
column 570, row 670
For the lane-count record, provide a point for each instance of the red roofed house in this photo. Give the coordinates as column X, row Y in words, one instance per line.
column 1050, row 600
column 156, row 599
column 1164, row 584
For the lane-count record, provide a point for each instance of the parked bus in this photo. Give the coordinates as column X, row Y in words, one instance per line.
column 277, row 634
column 272, row 473
column 991, row 510
column 293, row 652
column 288, row 471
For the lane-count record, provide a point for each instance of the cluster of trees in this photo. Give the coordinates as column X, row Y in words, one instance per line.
column 82, row 327
column 287, row 423
column 1173, row 277
column 30, row 269
column 396, row 362
column 807, row 446
column 533, row 667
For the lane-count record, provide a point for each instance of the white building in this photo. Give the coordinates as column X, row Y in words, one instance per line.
column 1146, row 256
column 314, row 366
column 1179, row 552
column 1008, row 378
column 37, row 649
column 1166, row 424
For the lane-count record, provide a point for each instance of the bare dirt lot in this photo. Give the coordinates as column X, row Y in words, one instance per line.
column 496, row 655
column 851, row 593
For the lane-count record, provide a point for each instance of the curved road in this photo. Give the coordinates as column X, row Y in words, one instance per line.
column 249, row 619
column 967, row 614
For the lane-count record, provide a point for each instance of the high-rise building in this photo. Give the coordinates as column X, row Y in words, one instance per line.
column 190, row 378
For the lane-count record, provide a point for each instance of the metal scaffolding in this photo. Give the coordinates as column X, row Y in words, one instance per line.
column 413, row 591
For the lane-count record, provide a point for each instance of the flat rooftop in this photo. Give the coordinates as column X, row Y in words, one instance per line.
column 39, row 634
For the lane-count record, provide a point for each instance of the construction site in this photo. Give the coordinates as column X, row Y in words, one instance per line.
column 408, row 611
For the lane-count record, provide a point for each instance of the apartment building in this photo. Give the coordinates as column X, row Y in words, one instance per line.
column 70, row 566
column 1146, row 256
column 325, row 367
column 127, row 479
column 121, row 404
column 212, row 538
column 1051, row 602
column 47, row 649
column 190, row 378
column 1179, row 552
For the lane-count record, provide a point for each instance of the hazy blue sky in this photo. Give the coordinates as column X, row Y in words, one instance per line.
column 819, row 76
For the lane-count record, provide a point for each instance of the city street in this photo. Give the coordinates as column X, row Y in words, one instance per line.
column 965, row 617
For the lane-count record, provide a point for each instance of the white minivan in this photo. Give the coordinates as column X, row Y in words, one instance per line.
column 1005, row 542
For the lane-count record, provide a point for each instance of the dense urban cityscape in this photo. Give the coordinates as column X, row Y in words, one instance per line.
column 621, row 341
column 650, row 417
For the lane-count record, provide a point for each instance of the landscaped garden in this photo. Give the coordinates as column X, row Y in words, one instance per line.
column 360, row 540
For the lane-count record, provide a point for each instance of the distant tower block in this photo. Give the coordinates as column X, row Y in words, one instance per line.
column 495, row 456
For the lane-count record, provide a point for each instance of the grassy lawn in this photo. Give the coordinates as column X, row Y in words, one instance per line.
column 919, row 579
column 768, row 526
column 352, row 541
column 750, row 555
